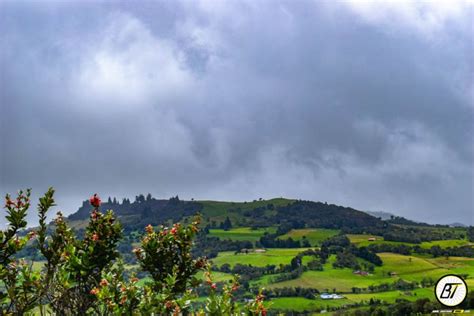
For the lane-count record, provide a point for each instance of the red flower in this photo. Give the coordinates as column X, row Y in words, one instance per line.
column 137, row 250
column 9, row 202
column 200, row 263
column 94, row 291
column 177, row 310
column 31, row 234
column 94, row 215
column 95, row 237
column 104, row 282
column 214, row 286
column 149, row 229
column 95, row 200
column 174, row 231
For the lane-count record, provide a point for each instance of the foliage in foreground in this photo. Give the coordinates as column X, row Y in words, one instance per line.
column 85, row 276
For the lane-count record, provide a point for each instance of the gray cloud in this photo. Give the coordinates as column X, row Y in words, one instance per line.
column 347, row 103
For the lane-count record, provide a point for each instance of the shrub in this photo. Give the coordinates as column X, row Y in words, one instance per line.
column 86, row 276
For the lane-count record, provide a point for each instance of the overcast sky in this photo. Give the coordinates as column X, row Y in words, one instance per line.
column 362, row 104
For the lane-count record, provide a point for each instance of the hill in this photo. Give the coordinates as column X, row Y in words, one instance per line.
column 297, row 250
column 286, row 213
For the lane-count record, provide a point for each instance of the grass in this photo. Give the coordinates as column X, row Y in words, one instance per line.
column 216, row 276
column 392, row 296
column 340, row 279
column 218, row 211
column 300, row 304
column 241, row 233
column 315, row 236
column 446, row 243
column 362, row 240
column 274, row 256
column 409, row 268
column 456, row 265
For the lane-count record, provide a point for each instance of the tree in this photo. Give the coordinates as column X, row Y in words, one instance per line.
column 226, row 224
column 470, row 233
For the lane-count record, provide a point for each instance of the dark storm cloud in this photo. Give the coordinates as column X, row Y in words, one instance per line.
column 347, row 103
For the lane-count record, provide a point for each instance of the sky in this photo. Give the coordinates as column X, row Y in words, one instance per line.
column 357, row 103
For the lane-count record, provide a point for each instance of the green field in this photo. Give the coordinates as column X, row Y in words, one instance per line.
column 300, row 304
column 217, row 276
column 446, row 243
column 274, row 256
column 409, row 268
column 392, row 296
column 241, row 233
column 362, row 240
column 218, row 211
column 315, row 236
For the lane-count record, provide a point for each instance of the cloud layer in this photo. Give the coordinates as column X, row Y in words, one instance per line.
column 364, row 106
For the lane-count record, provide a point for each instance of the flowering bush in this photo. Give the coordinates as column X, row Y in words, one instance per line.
column 221, row 304
column 19, row 280
column 86, row 276
column 85, row 261
column 167, row 252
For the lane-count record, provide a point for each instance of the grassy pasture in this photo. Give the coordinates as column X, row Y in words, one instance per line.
column 241, row 233
column 340, row 279
column 446, row 243
column 300, row 304
column 314, row 235
column 409, row 268
column 362, row 240
column 216, row 276
column 456, row 265
column 274, row 256
column 218, row 211
column 392, row 296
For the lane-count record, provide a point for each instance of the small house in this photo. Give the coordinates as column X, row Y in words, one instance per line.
column 327, row 296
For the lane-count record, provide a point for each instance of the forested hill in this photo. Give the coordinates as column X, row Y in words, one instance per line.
column 143, row 211
column 275, row 212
